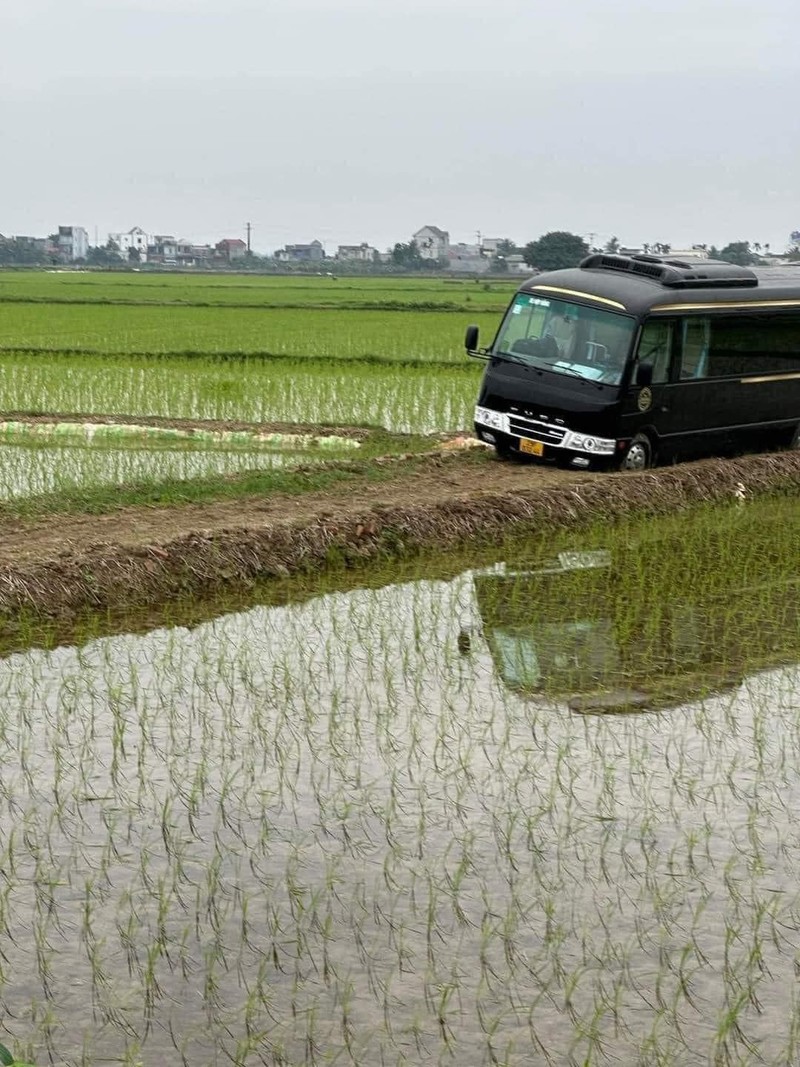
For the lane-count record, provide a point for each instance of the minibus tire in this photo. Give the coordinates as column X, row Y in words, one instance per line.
column 639, row 455
column 794, row 444
column 506, row 454
column 504, row 451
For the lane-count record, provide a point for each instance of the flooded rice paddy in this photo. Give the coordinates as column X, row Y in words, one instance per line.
column 43, row 458
column 403, row 399
column 362, row 825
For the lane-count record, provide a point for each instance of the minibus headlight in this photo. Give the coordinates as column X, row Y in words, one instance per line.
column 582, row 442
column 495, row 419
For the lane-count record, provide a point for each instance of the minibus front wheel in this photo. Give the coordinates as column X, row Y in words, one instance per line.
column 639, row 455
column 507, row 454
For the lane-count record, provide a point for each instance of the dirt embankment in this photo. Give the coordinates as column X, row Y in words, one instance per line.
column 142, row 556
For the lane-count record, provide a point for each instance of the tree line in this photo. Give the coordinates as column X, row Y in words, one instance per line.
column 560, row 249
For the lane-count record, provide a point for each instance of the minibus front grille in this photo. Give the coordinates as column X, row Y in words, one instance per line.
column 545, row 432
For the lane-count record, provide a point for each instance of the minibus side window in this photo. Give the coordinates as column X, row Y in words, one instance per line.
column 754, row 344
column 695, row 334
column 655, row 349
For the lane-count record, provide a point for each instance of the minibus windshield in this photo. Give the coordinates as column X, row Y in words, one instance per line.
column 566, row 338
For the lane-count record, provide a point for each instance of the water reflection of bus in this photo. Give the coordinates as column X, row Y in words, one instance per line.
column 604, row 621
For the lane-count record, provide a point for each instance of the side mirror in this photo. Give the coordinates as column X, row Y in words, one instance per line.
column 471, row 339
column 644, row 374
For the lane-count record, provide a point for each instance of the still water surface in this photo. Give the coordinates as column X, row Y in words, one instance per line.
column 364, row 827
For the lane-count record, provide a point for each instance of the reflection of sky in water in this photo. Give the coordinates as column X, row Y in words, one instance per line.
column 325, row 826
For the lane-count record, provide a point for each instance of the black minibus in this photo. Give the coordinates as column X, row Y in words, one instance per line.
column 630, row 360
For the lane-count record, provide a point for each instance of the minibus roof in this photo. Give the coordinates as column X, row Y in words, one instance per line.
column 638, row 285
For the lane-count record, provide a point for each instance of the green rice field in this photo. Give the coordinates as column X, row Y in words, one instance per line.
column 527, row 802
column 34, row 465
column 408, row 399
column 355, row 820
column 380, row 352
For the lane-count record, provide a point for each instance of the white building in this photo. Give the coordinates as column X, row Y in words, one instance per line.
column 363, row 253
column 135, row 238
column 432, row 242
column 695, row 252
column 73, row 243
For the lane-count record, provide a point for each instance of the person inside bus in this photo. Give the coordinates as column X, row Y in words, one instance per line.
column 561, row 327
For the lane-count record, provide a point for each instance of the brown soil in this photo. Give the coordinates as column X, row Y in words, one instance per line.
column 138, row 557
column 444, row 478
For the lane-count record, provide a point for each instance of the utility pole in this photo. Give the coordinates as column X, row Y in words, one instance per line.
column 249, row 228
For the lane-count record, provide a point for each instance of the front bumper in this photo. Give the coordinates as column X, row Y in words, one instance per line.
column 489, row 423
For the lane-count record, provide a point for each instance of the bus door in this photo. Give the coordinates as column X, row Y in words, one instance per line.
column 703, row 409
column 646, row 406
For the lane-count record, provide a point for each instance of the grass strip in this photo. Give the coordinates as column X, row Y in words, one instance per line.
column 283, row 305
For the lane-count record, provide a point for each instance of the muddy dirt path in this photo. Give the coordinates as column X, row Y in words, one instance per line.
column 434, row 479
column 142, row 557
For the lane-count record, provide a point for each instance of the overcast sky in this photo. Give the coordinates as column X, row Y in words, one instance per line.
column 363, row 120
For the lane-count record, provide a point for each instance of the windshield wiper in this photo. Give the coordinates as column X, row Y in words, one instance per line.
column 512, row 358
column 559, row 368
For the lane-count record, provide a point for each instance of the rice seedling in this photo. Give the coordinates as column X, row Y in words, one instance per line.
column 40, row 471
column 367, row 351
column 414, row 399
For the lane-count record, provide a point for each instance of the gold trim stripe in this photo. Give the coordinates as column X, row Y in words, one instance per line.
column 769, row 378
column 743, row 306
column 583, row 296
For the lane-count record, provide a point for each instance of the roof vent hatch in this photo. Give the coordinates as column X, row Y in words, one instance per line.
column 676, row 273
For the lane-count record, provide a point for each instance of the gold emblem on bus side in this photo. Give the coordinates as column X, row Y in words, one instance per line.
column 645, row 399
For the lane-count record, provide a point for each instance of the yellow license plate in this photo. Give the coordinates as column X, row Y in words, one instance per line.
column 533, row 448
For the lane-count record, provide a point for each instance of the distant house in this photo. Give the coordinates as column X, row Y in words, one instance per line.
column 135, row 239
column 432, row 242
column 69, row 244
column 163, row 248
column 191, row 255
column 313, row 253
column 468, row 258
column 31, row 244
column 362, row 253
column 695, row 252
column 231, row 248
column 517, row 265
